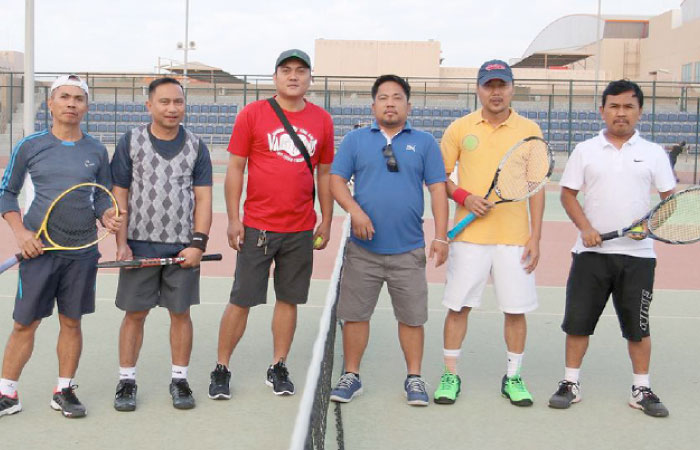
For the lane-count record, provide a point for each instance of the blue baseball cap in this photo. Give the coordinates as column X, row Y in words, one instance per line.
column 495, row 70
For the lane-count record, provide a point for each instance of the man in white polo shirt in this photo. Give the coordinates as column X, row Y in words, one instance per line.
column 616, row 170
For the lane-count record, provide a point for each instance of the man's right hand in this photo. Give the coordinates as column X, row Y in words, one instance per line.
column 124, row 253
column 590, row 237
column 478, row 205
column 30, row 246
column 362, row 226
column 235, row 233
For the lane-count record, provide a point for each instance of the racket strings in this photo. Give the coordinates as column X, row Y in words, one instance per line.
column 524, row 171
column 72, row 221
column 678, row 220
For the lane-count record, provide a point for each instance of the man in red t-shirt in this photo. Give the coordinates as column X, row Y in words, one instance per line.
column 278, row 215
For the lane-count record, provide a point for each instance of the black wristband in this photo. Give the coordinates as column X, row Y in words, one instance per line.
column 199, row 240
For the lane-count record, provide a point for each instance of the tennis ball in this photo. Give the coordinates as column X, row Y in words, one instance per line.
column 637, row 229
column 318, row 242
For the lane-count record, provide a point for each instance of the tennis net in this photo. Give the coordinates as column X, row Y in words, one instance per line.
column 312, row 418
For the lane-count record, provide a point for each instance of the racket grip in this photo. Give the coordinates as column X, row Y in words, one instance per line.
column 461, row 225
column 612, row 235
column 212, row 257
column 11, row 261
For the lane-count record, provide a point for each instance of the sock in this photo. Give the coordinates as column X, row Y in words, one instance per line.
column 413, row 375
column 127, row 373
column 8, row 387
column 63, row 383
column 451, row 357
column 179, row 372
column 571, row 374
column 641, row 379
column 515, row 360
column 355, row 373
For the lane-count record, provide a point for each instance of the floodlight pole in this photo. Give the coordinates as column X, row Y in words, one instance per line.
column 187, row 39
column 28, row 115
column 598, row 55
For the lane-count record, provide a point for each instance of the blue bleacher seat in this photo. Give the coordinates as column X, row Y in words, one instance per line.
column 223, row 109
column 211, row 119
column 357, row 111
column 416, row 122
column 347, row 111
column 585, row 126
column 109, row 107
column 204, row 109
column 562, row 115
column 347, row 121
column 336, row 131
column 140, row 108
column 578, row 137
column 557, row 137
column 336, row 110
column 92, row 107
column 219, row 129
column 199, row 129
column 675, row 128
column 542, row 115
column 129, row 108
column 646, row 127
column 662, row 117
column 588, row 136
column 366, row 111
column 92, row 128
column 686, row 128
column 221, row 119
column 228, row 130
column 682, row 117
column 554, row 126
column 427, row 122
column 428, row 112
column 437, row 134
column 121, row 128
column 120, row 107
column 108, row 117
column 416, row 111
column 673, row 117
column 531, row 114
column 196, row 109
column 214, row 109
column 231, row 118
column 101, row 107
column 233, row 109
column 666, row 128
column 145, row 118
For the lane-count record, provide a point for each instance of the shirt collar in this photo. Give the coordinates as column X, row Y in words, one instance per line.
column 631, row 141
column 375, row 127
column 479, row 118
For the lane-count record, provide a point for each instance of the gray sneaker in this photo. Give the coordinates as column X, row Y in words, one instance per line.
column 125, row 398
column 181, row 393
column 66, row 402
column 415, row 391
column 643, row 398
column 9, row 405
column 567, row 393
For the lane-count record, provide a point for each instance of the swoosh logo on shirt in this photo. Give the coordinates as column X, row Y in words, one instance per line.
column 638, row 160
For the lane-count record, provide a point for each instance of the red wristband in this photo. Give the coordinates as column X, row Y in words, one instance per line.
column 460, row 195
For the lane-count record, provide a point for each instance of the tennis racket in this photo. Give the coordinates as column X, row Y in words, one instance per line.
column 71, row 222
column 522, row 171
column 675, row 220
column 152, row 262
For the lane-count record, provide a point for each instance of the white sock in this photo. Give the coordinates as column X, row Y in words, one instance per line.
column 515, row 360
column 8, row 387
column 571, row 374
column 179, row 372
column 63, row 383
column 450, row 358
column 127, row 373
column 641, row 379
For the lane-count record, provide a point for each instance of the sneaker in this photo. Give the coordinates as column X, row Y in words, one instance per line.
column 219, row 385
column 567, row 393
column 347, row 388
column 415, row 391
column 181, row 393
column 278, row 379
column 125, row 398
column 66, row 402
column 449, row 389
column 643, row 398
column 514, row 389
column 9, row 405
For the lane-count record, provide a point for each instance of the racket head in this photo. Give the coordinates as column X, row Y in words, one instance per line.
column 524, row 169
column 676, row 220
column 72, row 222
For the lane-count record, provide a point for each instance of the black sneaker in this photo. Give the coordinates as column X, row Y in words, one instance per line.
column 567, row 393
column 125, row 398
column 9, row 405
column 278, row 379
column 66, row 402
column 182, row 394
column 643, row 398
column 219, row 385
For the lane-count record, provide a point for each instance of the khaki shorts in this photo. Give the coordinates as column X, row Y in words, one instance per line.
column 171, row 287
column 365, row 272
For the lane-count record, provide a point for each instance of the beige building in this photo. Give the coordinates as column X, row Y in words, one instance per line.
column 663, row 48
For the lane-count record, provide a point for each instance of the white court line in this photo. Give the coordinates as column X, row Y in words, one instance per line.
column 432, row 310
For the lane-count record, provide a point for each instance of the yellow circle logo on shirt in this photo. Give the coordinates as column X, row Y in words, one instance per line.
column 470, row 142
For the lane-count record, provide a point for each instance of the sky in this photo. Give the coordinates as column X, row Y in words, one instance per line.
column 246, row 37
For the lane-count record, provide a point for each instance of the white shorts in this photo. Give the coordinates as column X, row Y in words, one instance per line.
column 468, row 269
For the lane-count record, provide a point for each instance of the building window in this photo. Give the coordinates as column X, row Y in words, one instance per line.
column 697, row 71
column 686, row 72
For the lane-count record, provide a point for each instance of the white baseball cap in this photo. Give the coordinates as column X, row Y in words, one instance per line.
column 69, row 80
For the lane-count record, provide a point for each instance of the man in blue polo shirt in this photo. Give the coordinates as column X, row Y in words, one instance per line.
column 390, row 162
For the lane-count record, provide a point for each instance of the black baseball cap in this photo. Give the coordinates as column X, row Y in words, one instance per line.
column 293, row 53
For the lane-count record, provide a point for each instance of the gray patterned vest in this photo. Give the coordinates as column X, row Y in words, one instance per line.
column 161, row 197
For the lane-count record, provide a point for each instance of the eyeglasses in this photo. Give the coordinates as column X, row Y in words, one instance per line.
column 391, row 163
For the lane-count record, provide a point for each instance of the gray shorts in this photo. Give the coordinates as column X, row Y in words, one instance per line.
column 293, row 257
column 365, row 272
column 171, row 287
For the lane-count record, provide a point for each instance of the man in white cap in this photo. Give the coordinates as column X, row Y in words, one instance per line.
column 53, row 160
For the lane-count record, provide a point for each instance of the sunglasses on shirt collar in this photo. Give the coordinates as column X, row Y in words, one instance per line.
column 391, row 163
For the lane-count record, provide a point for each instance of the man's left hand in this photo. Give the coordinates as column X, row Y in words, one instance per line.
column 193, row 256
column 324, row 231
column 531, row 255
column 439, row 251
column 111, row 221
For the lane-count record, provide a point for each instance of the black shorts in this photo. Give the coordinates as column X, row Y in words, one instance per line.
column 171, row 287
column 293, row 257
column 594, row 277
column 48, row 278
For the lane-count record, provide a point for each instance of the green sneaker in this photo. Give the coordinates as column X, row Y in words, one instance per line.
column 514, row 389
column 450, row 386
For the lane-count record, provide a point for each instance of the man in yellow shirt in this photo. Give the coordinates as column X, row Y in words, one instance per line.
column 502, row 243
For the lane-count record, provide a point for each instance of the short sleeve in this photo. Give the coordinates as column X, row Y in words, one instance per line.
column 434, row 171
column 664, row 179
column 121, row 163
column 450, row 147
column 202, row 174
column 343, row 164
column 241, row 138
column 572, row 177
column 328, row 148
